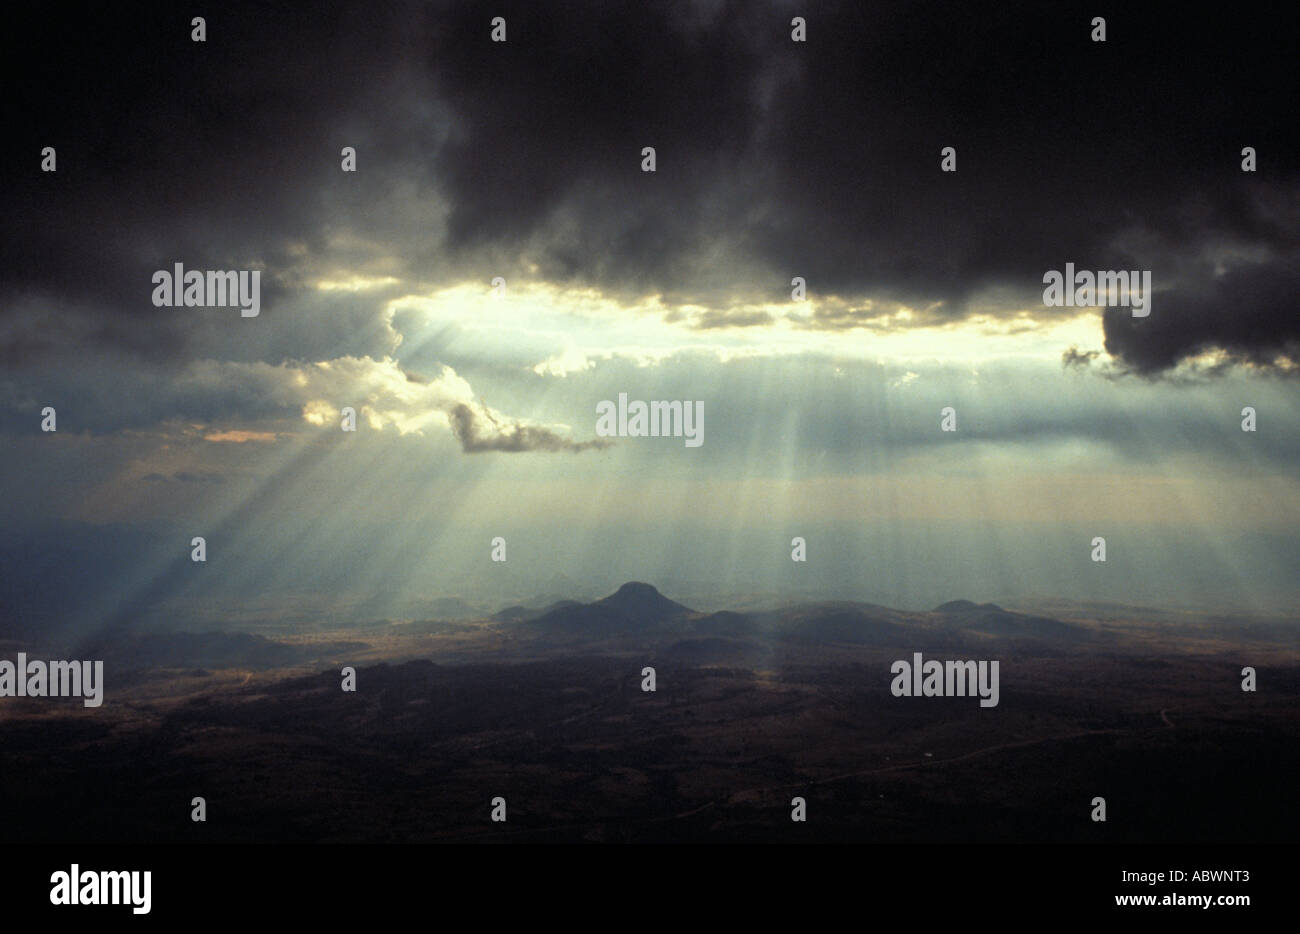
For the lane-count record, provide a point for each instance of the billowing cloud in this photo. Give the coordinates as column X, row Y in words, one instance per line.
column 1249, row 313
column 480, row 430
column 522, row 159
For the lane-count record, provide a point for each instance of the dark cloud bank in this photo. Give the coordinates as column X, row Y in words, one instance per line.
column 775, row 159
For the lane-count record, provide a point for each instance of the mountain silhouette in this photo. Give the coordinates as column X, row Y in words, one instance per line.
column 637, row 613
column 521, row 613
column 642, row 602
column 837, row 621
column 967, row 606
column 635, row 608
column 991, row 619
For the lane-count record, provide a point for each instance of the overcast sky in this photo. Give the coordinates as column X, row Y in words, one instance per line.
column 523, row 159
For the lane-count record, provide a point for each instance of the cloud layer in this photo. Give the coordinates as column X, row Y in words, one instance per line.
column 775, row 159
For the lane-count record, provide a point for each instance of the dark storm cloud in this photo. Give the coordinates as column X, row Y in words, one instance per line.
column 218, row 155
column 1249, row 312
column 775, row 159
column 822, row 159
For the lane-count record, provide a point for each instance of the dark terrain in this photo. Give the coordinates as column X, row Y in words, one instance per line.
column 544, row 708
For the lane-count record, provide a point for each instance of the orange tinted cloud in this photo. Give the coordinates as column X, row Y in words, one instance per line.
column 239, row 437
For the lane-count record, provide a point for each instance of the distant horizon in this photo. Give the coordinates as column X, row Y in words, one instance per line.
column 445, row 319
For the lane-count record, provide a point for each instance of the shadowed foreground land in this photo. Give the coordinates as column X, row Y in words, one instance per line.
column 546, row 710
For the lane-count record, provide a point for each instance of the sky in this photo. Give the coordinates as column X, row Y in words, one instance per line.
column 523, row 160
